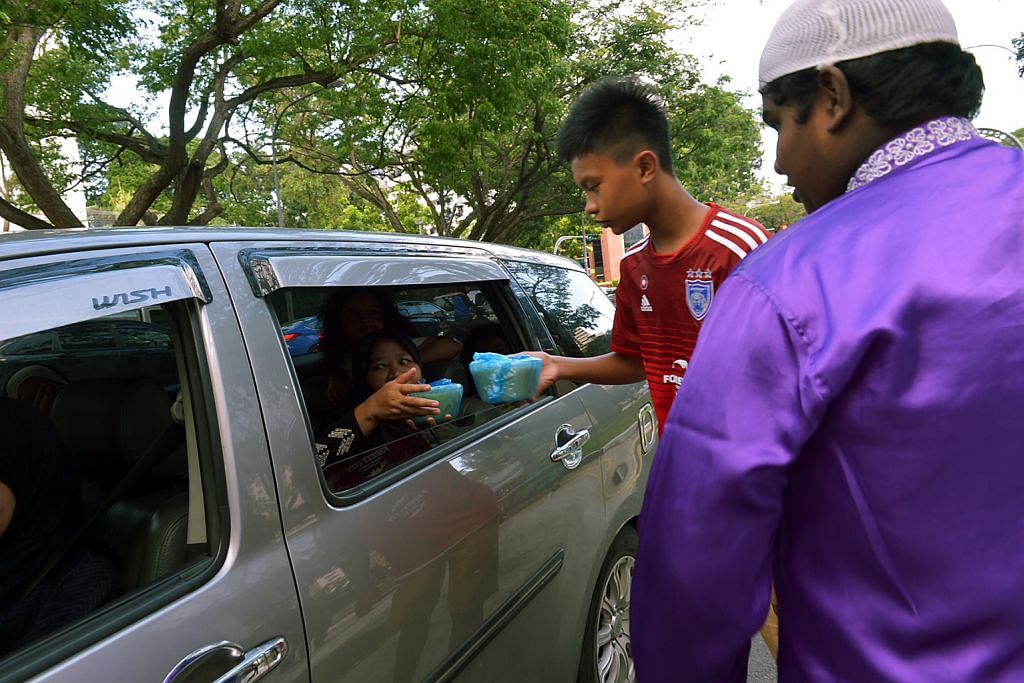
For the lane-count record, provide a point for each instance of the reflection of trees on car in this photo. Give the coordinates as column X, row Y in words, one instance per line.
column 576, row 322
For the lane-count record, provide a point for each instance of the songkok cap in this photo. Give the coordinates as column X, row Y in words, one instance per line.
column 819, row 33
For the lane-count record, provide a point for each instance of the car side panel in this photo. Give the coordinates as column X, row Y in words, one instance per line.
column 395, row 586
column 251, row 598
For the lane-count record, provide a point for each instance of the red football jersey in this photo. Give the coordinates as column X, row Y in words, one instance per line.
column 662, row 299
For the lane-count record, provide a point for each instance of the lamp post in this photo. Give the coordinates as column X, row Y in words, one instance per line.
column 273, row 146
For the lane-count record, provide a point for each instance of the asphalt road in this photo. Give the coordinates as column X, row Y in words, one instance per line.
column 760, row 666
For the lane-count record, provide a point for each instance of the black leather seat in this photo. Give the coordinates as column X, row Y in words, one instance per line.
column 108, row 425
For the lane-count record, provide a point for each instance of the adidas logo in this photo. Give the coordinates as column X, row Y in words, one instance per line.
column 645, row 305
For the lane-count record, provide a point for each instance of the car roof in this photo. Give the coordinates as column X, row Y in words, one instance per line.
column 57, row 241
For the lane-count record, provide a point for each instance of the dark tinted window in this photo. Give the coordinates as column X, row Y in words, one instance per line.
column 41, row 342
column 144, row 337
column 576, row 311
column 86, row 336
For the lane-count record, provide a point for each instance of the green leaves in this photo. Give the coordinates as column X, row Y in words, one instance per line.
column 384, row 114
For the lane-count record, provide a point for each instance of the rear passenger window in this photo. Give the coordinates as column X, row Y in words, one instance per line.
column 106, row 466
column 576, row 311
column 346, row 343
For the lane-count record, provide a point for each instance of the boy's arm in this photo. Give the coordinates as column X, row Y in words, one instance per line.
column 611, row 368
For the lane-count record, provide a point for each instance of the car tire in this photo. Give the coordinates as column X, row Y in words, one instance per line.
column 607, row 652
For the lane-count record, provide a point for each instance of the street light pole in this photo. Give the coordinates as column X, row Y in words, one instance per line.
column 273, row 146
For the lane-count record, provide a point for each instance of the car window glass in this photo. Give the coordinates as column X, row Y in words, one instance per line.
column 86, row 336
column 41, row 342
column 446, row 325
column 144, row 336
column 576, row 311
column 78, row 424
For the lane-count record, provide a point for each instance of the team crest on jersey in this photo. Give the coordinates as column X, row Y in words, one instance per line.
column 700, row 290
column 643, row 281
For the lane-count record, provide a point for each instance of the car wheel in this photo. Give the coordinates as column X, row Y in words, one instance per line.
column 607, row 651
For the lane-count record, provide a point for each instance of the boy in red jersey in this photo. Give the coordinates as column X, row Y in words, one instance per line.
column 616, row 138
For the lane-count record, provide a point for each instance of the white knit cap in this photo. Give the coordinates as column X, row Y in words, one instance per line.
column 817, row 33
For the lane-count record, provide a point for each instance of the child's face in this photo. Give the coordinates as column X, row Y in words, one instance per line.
column 388, row 360
column 614, row 191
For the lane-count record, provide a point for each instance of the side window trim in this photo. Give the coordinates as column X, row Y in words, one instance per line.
column 269, row 270
column 117, row 283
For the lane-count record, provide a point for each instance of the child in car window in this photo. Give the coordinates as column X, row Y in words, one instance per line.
column 378, row 433
column 348, row 315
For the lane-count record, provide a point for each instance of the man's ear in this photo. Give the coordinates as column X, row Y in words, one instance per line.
column 835, row 97
column 646, row 162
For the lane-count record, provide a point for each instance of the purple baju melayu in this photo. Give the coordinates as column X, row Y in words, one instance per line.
column 852, row 424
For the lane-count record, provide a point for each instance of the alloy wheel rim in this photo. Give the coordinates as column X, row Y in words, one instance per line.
column 614, row 653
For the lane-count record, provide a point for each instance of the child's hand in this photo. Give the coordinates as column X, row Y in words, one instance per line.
column 431, row 423
column 392, row 401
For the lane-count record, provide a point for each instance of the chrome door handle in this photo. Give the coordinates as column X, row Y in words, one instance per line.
column 245, row 666
column 648, row 423
column 569, row 452
column 257, row 662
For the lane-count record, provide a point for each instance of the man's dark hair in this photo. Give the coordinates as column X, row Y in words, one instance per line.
column 899, row 88
column 616, row 116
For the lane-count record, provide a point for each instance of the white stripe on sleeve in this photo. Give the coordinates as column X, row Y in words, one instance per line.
column 733, row 230
column 748, row 225
column 726, row 242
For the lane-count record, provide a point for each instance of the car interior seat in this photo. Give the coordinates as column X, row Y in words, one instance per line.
column 108, row 425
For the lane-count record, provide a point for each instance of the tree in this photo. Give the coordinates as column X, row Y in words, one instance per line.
column 429, row 111
column 217, row 59
column 473, row 133
column 774, row 212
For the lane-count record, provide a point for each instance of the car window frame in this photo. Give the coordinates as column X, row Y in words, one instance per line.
column 124, row 611
column 518, row 318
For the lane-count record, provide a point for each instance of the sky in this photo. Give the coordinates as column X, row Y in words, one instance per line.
column 734, row 31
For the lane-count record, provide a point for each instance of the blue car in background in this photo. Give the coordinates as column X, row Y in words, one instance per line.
column 303, row 335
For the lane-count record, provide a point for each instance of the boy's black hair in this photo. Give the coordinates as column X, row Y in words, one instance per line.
column 616, row 116
column 898, row 88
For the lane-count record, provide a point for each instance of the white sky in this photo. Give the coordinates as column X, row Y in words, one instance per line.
column 734, row 31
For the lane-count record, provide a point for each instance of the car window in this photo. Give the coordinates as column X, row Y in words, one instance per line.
column 86, row 336
column 110, row 473
column 576, row 311
column 332, row 390
column 29, row 344
column 144, row 336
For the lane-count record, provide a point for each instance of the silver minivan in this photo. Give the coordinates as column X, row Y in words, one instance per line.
column 500, row 551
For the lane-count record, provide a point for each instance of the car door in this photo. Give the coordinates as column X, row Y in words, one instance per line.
column 464, row 563
column 226, row 602
column 579, row 318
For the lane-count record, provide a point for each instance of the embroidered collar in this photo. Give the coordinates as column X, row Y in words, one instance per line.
column 913, row 144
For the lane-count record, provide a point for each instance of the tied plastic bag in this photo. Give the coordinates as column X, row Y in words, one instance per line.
column 502, row 379
column 445, row 392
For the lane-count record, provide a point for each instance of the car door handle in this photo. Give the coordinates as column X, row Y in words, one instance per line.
column 648, row 422
column 245, row 666
column 569, row 446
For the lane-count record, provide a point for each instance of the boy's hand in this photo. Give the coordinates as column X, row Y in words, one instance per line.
column 548, row 371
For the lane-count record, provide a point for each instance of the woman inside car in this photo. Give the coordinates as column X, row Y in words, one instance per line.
column 348, row 315
column 378, row 434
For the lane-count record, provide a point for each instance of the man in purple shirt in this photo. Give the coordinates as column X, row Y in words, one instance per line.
column 851, row 422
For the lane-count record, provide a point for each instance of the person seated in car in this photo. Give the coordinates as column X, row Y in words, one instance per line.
column 37, row 384
column 40, row 512
column 378, row 433
column 348, row 315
